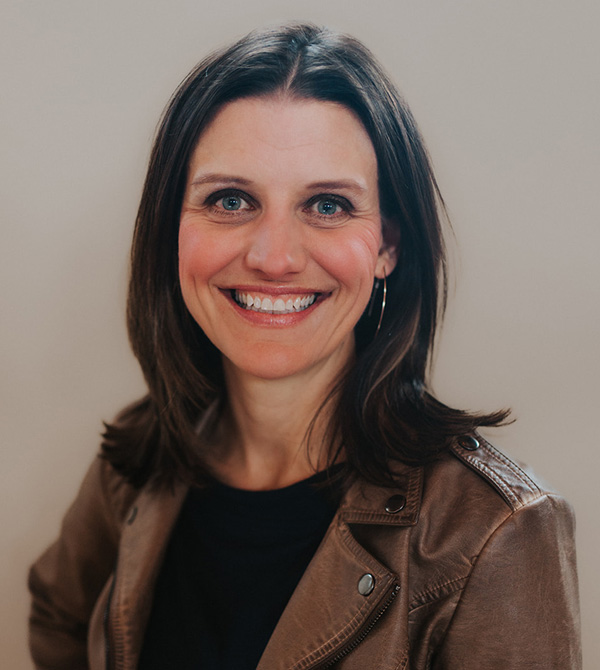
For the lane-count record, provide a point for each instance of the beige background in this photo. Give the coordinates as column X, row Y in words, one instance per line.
column 507, row 95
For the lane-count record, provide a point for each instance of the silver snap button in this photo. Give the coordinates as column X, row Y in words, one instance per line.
column 468, row 442
column 366, row 584
column 132, row 515
column 395, row 504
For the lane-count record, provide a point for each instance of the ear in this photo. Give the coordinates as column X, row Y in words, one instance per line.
column 386, row 262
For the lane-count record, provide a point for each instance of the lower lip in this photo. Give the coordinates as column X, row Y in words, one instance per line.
column 265, row 319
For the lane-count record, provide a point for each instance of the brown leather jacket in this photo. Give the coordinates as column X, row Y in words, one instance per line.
column 467, row 565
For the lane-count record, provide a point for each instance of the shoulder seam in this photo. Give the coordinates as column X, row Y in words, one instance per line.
column 514, row 467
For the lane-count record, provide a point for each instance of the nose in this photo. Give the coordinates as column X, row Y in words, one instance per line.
column 276, row 247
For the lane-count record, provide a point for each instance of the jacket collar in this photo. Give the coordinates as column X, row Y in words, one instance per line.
column 395, row 506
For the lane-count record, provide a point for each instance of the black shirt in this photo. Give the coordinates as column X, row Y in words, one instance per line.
column 233, row 562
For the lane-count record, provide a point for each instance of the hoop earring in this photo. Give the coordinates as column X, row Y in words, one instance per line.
column 383, row 299
column 373, row 296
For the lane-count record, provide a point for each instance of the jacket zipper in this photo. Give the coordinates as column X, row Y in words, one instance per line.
column 351, row 646
column 107, row 649
column 113, row 657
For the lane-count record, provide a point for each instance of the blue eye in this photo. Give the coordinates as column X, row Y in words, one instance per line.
column 327, row 207
column 231, row 203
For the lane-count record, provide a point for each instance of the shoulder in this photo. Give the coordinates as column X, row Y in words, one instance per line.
column 475, row 488
column 495, row 549
column 474, row 499
column 476, row 476
column 515, row 483
column 68, row 577
column 101, row 505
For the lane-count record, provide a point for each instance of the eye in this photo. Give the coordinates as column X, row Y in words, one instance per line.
column 329, row 206
column 232, row 202
column 229, row 202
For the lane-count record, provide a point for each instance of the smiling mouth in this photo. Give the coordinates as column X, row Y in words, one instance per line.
column 273, row 304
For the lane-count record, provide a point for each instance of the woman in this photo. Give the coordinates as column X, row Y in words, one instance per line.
column 290, row 494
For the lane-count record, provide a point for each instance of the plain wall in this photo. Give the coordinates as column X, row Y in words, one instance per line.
column 507, row 96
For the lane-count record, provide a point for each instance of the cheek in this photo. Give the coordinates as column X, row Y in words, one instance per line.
column 201, row 255
column 353, row 259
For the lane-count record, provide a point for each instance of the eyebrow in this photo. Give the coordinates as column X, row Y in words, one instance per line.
column 216, row 178
column 333, row 185
column 338, row 185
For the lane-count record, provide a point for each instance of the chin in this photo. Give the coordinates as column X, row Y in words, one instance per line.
column 270, row 367
column 270, row 361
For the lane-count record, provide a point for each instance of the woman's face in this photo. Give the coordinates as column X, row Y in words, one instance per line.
column 280, row 236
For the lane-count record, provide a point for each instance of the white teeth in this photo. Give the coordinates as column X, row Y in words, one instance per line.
column 276, row 306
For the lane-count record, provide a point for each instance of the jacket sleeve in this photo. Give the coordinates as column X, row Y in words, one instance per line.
column 67, row 579
column 520, row 607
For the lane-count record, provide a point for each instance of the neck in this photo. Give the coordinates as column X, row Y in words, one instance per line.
column 262, row 440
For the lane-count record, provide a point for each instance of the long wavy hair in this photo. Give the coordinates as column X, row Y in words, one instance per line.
column 383, row 409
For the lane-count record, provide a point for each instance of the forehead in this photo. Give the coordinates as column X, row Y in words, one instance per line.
column 316, row 138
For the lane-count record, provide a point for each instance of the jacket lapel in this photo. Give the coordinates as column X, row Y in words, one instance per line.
column 144, row 539
column 328, row 616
